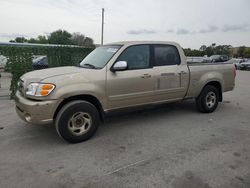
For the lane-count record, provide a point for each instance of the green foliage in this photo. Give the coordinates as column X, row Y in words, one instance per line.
column 20, row 39
column 80, row 40
column 20, row 58
column 240, row 52
column 42, row 39
column 246, row 53
column 60, row 37
column 203, row 48
column 209, row 50
column 39, row 40
column 193, row 53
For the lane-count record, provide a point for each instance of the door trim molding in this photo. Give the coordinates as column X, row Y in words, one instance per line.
column 131, row 95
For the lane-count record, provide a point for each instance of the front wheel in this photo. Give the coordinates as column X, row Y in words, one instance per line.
column 208, row 99
column 77, row 121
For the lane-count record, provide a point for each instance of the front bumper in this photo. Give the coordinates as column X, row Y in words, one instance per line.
column 35, row 112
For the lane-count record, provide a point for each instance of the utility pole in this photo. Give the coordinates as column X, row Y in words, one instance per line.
column 102, row 25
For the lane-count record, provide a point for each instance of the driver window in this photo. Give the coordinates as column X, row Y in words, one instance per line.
column 137, row 57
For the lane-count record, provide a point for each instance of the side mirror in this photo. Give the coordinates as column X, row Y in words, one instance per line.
column 120, row 66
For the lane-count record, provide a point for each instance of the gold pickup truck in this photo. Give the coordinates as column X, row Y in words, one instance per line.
column 117, row 76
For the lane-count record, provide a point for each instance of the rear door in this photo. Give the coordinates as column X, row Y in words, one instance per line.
column 171, row 75
column 135, row 85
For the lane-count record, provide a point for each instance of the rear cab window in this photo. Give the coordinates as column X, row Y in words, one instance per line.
column 166, row 55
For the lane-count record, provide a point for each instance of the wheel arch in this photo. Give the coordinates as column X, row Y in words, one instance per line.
column 218, row 86
column 89, row 98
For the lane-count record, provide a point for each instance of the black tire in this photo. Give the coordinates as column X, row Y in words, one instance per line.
column 64, row 121
column 201, row 101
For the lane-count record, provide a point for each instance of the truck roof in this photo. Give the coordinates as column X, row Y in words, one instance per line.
column 142, row 42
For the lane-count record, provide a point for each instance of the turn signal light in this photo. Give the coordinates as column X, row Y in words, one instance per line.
column 44, row 92
column 47, row 86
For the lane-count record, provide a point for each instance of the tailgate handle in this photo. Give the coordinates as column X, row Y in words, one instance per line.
column 146, row 76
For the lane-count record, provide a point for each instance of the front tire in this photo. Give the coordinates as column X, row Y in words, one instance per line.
column 77, row 121
column 208, row 99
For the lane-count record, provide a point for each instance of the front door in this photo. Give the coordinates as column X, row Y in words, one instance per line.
column 135, row 85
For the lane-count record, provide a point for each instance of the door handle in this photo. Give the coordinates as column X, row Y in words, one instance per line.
column 146, row 76
column 182, row 72
column 168, row 74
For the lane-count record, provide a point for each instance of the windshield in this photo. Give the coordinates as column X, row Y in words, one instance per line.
column 99, row 57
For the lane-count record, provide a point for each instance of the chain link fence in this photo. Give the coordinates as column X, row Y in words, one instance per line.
column 22, row 58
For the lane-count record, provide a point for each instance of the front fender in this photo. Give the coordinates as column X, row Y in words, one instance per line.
column 81, row 89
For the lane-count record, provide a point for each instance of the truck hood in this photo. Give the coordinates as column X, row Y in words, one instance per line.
column 39, row 75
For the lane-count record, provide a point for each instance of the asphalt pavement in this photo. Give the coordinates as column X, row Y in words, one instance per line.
column 172, row 146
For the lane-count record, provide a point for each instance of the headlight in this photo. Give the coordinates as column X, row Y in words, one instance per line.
column 40, row 90
column 31, row 89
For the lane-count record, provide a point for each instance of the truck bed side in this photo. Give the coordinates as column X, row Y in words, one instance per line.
column 201, row 74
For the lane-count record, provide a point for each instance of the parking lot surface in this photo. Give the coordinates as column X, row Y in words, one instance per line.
column 169, row 146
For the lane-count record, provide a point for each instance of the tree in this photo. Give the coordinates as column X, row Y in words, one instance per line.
column 240, row 52
column 19, row 40
column 222, row 49
column 60, row 37
column 80, row 40
column 188, row 52
column 32, row 40
column 194, row 53
column 42, row 39
column 39, row 40
column 246, row 53
column 209, row 50
column 203, row 48
column 88, row 41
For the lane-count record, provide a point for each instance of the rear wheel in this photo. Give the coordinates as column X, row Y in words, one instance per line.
column 208, row 99
column 77, row 121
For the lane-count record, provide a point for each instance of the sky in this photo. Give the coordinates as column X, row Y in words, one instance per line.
column 191, row 23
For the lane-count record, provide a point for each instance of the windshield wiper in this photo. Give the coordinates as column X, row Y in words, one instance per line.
column 89, row 65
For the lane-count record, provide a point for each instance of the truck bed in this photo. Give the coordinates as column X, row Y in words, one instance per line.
column 202, row 73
